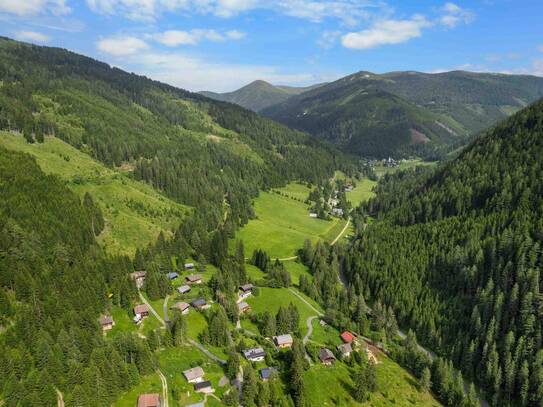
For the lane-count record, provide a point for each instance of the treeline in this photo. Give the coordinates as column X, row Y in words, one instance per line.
column 54, row 284
column 458, row 257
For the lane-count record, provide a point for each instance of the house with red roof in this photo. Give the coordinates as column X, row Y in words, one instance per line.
column 347, row 337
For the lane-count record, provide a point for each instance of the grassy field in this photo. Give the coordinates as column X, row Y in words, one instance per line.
column 283, row 224
column 380, row 170
column 174, row 361
column 362, row 192
column 296, row 191
column 134, row 212
column 270, row 299
column 148, row 384
column 396, row 387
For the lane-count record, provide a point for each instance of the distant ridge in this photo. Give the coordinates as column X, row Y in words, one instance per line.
column 259, row 95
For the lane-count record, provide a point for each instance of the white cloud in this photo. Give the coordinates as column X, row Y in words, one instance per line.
column 348, row 11
column 386, row 32
column 32, row 36
column 194, row 73
column 121, row 45
column 174, row 38
column 33, row 7
column 454, row 15
column 328, row 39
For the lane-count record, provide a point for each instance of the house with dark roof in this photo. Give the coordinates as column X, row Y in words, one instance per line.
column 200, row 304
column 246, row 287
column 173, row 275
column 254, row 354
column 283, row 341
column 189, row 266
column 203, row 387
column 149, row 400
column 106, row 322
column 326, row 357
column 267, row 372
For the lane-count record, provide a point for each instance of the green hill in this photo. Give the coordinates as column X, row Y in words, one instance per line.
column 457, row 254
column 259, row 95
column 406, row 113
column 134, row 212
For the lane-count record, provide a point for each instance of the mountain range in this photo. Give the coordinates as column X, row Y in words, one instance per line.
column 397, row 113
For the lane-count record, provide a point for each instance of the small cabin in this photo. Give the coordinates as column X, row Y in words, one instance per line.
column 283, row 341
column 200, row 304
column 138, row 277
column 194, row 279
column 106, row 322
column 326, row 357
column 244, row 307
column 347, row 337
column 173, row 275
column 194, row 375
column 189, row 266
column 266, row 373
column 345, row 349
column 254, row 354
column 182, row 307
column 203, row 387
column 149, row 400
column 183, row 289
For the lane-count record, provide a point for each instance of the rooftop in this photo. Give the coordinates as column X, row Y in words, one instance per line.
column 194, row 373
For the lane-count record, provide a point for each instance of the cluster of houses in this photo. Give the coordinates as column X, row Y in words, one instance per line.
column 327, row 357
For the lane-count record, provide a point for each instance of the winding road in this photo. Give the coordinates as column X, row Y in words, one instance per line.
column 165, row 401
column 309, row 323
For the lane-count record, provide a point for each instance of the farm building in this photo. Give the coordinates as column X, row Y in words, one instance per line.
column 345, row 349
column 138, row 277
column 194, row 375
column 194, row 279
column 183, row 289
column 326, row 356
column 173, row 275
column 266, row 373
column 347, row 337
column 283, row 341
column 254, row 354
column 200, row 304
column 181, row 306
column 149, row 400
column 203, row 387
column 106, row 322
column 244, row 307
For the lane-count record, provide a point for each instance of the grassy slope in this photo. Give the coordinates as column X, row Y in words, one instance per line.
column 283, row 224
column 134, row 212
column 149, row 384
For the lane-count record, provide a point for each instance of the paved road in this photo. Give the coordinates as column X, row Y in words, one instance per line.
column 207, row 352
column 293, row 291
column 309, row 323
column 166, row 317
column 165, row 400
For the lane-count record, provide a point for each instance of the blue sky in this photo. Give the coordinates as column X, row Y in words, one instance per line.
column 221, row 45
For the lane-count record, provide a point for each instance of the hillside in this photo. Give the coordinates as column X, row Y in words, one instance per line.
column 406, row 113
column 259, row 95
column 457, row 256
column 134, row 213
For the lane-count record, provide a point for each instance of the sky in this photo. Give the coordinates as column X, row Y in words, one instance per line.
column 221, row 45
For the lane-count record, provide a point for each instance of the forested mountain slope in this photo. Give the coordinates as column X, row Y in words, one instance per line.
column 54, row 284
column 197, row 151
column 258, row 95
column 402, row 113
column 457, row 254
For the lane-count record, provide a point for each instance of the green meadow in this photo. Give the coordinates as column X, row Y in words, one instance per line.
column 148, row 384
column 404, row 165
column 134, row 212
column 282, row 225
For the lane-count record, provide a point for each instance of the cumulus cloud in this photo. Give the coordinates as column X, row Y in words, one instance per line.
column 328, row 39
column 121, row 45
column 386, row 32
column 175, row 38
column 33, row 7
column 32, row 36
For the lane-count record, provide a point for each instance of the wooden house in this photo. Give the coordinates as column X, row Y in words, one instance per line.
column 149, row 400
column 106, row 322
column 326, row 357
column 283, row 341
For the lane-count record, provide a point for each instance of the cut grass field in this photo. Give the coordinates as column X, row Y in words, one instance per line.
column 283, row 224
column 147, row 384
column 395, row 387
column 404, row 165
column 134, row 212
column 362, row 192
